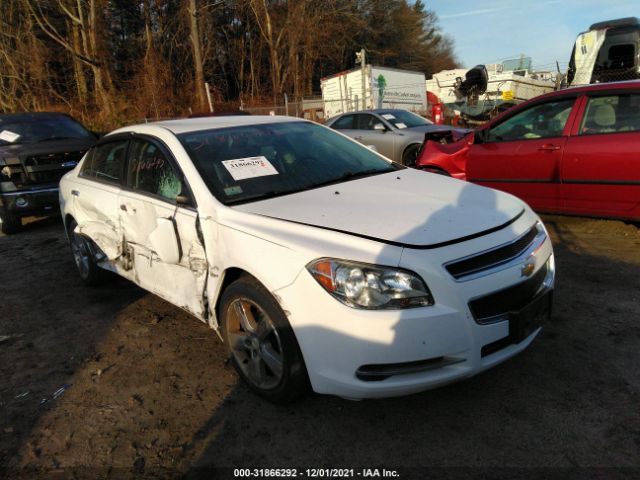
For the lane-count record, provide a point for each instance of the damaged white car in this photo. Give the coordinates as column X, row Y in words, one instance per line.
column 320, row 263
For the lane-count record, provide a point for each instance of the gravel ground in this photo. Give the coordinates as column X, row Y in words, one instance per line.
column 114, row 382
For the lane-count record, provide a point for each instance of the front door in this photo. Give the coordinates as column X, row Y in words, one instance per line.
column 521, row 155
column 149, row 201
column 367, row 134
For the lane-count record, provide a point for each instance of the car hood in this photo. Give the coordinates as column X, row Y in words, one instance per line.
column 435, row 128
column 47, row 147
column 406, row 208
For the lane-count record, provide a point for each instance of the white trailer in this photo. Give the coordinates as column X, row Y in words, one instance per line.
column 373, row 87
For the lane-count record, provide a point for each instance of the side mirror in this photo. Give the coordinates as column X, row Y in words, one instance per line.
column 379, row 126
column 164, row 241
column 183, row 201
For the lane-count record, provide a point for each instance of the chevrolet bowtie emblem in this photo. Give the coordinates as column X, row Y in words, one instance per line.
column 527, row 269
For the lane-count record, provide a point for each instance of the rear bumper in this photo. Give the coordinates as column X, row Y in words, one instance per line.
column 22, row 203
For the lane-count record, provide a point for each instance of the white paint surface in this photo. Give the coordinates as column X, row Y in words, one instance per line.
column 363, row 220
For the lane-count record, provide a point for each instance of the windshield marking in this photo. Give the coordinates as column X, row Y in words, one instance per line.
column 251, row 167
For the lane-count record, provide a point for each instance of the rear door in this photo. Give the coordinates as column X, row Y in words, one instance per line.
column 149, row 201
column 601, row 165
column 95, row 195
column 522, row 154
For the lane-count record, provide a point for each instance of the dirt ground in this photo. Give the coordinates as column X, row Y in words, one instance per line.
column 114, row 382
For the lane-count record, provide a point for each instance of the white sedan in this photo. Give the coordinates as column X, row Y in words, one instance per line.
column 320, row 263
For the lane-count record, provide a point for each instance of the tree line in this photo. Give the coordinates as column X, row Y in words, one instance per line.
column 113, row 61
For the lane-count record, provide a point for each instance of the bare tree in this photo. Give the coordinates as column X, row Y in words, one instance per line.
column 196, row 49
column 83, row 40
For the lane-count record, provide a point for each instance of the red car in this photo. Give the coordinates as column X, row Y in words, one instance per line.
column 574, row 151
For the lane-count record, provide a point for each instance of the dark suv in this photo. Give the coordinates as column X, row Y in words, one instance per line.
column 36, row 150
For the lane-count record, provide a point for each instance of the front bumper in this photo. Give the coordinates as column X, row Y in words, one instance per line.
column 367, row 354
column 22, row 203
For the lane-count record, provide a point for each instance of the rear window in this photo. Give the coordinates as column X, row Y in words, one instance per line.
column 611, row 114
column 106, row 162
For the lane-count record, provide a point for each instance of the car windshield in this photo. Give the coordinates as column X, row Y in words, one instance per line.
column 256, row 162
column 404, row 119
column 42, row 129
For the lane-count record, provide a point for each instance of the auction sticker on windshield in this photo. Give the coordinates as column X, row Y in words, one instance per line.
column 8, row 136
column 252, row 167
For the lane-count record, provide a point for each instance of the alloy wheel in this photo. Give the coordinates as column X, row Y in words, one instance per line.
column 81, row 254
column 254, row 343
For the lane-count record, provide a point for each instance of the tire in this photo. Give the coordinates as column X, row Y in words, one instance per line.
column 260, row 341
column 83, row 256
column 9, row 224
column 410, row 155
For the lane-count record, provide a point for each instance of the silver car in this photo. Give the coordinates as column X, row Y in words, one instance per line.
column 396, row 134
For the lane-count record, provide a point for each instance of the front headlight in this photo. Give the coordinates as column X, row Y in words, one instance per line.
column 361, row 285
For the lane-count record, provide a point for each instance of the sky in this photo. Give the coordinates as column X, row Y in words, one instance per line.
column 490, row 31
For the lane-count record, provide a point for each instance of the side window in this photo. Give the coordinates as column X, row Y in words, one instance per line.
column 150, row 171
column 87, row 165
column 344, row 123
column 545, row 120
column 611, row 114
column 366, row 122
column 106, row 162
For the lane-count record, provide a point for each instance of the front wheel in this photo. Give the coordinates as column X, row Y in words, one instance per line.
column 410, row 155
column 9, row 223
column 261, row 343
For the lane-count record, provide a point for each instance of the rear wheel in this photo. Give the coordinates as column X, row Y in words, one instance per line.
column 410, row 155
column 9, row 223
column 84, row 258
column 261, row 343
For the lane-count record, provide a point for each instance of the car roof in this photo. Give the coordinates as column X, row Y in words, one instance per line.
column 26, row 116
column 209, row 123
column 375, row 110
column 594, row 87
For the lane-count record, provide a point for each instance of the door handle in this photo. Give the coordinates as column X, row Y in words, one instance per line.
column 548, row 147
column 75, row 193
column 123, row 207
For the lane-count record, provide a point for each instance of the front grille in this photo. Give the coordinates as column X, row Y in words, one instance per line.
column 512, row 299
column 493, row 258
column 49, row 168
column 55, row 159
